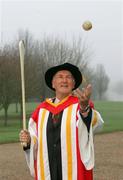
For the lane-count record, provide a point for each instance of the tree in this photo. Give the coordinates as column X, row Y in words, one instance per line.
column 100, row 82
column 6, row 79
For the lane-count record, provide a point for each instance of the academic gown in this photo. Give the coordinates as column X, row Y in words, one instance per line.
column 62, row 141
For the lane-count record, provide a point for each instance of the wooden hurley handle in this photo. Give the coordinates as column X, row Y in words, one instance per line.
column 22, row 55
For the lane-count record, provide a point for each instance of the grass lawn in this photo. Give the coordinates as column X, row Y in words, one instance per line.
column 112, row 113
column 10, row 133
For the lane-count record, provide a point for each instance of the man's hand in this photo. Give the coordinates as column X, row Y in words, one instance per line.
column 25, row 137
column 84, row 96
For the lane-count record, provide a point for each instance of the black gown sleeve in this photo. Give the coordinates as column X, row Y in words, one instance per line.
column 87, row 120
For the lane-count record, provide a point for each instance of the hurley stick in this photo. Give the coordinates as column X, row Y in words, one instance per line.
column 22, row 54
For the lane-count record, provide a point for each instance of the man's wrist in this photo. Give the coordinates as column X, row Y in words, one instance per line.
column 85, row 112
column 85, row 109
column 27, row 147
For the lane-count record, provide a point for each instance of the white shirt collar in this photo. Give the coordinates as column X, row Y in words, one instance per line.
column 56, row 100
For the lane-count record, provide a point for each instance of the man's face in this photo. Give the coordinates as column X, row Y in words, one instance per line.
column 63, row 82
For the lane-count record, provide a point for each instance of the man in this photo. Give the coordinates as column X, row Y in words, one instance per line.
column 60, row 135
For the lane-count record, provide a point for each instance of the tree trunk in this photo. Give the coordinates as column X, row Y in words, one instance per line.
column 16, row 107
column 6, row 116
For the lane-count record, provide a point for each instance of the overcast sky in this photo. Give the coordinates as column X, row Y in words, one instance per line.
column 64, row 19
